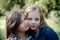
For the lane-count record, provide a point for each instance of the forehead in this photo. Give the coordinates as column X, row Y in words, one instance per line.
column 34, row 14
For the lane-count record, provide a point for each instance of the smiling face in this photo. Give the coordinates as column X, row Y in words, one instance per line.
column 34, row 19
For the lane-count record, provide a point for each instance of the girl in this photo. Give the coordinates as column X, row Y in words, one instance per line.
column 39, row 30
column 16, row 26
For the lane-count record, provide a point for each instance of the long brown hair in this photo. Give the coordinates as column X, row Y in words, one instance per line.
column 13, row 20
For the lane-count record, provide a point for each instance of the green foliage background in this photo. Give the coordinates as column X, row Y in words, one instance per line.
column 50, row 8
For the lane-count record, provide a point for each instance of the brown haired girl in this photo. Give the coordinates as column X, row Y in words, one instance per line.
column 16, row 26
column 41, row 31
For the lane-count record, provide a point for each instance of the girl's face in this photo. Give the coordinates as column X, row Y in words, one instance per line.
column 23, row 25
column 34, row 19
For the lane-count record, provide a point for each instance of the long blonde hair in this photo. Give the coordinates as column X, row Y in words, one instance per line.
column 35, row 8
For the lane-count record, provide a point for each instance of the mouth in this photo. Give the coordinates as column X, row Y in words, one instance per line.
column 33, row 26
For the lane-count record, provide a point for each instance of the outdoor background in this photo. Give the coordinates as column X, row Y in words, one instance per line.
column 50, row 8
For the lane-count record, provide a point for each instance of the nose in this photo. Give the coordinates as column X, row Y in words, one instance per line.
column 33, row 21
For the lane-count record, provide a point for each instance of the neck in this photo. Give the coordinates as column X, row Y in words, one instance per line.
column 21, row 34
column 36, row 32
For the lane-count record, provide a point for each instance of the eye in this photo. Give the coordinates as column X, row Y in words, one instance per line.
column 29, row 18
column 37, row 19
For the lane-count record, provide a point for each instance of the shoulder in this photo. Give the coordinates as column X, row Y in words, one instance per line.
column 46, row 29
column 48, row 32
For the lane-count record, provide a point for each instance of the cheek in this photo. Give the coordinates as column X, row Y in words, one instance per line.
column 26, row 22
column 21, row 27
column 29, row 22
column 38, row 22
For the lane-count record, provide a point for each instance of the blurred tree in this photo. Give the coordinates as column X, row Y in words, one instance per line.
column 46, row 5
column 57, row 5
column 0, row 13
column 10, row 3
column 7, row 5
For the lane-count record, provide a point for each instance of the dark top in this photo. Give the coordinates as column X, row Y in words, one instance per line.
column 45, row 33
